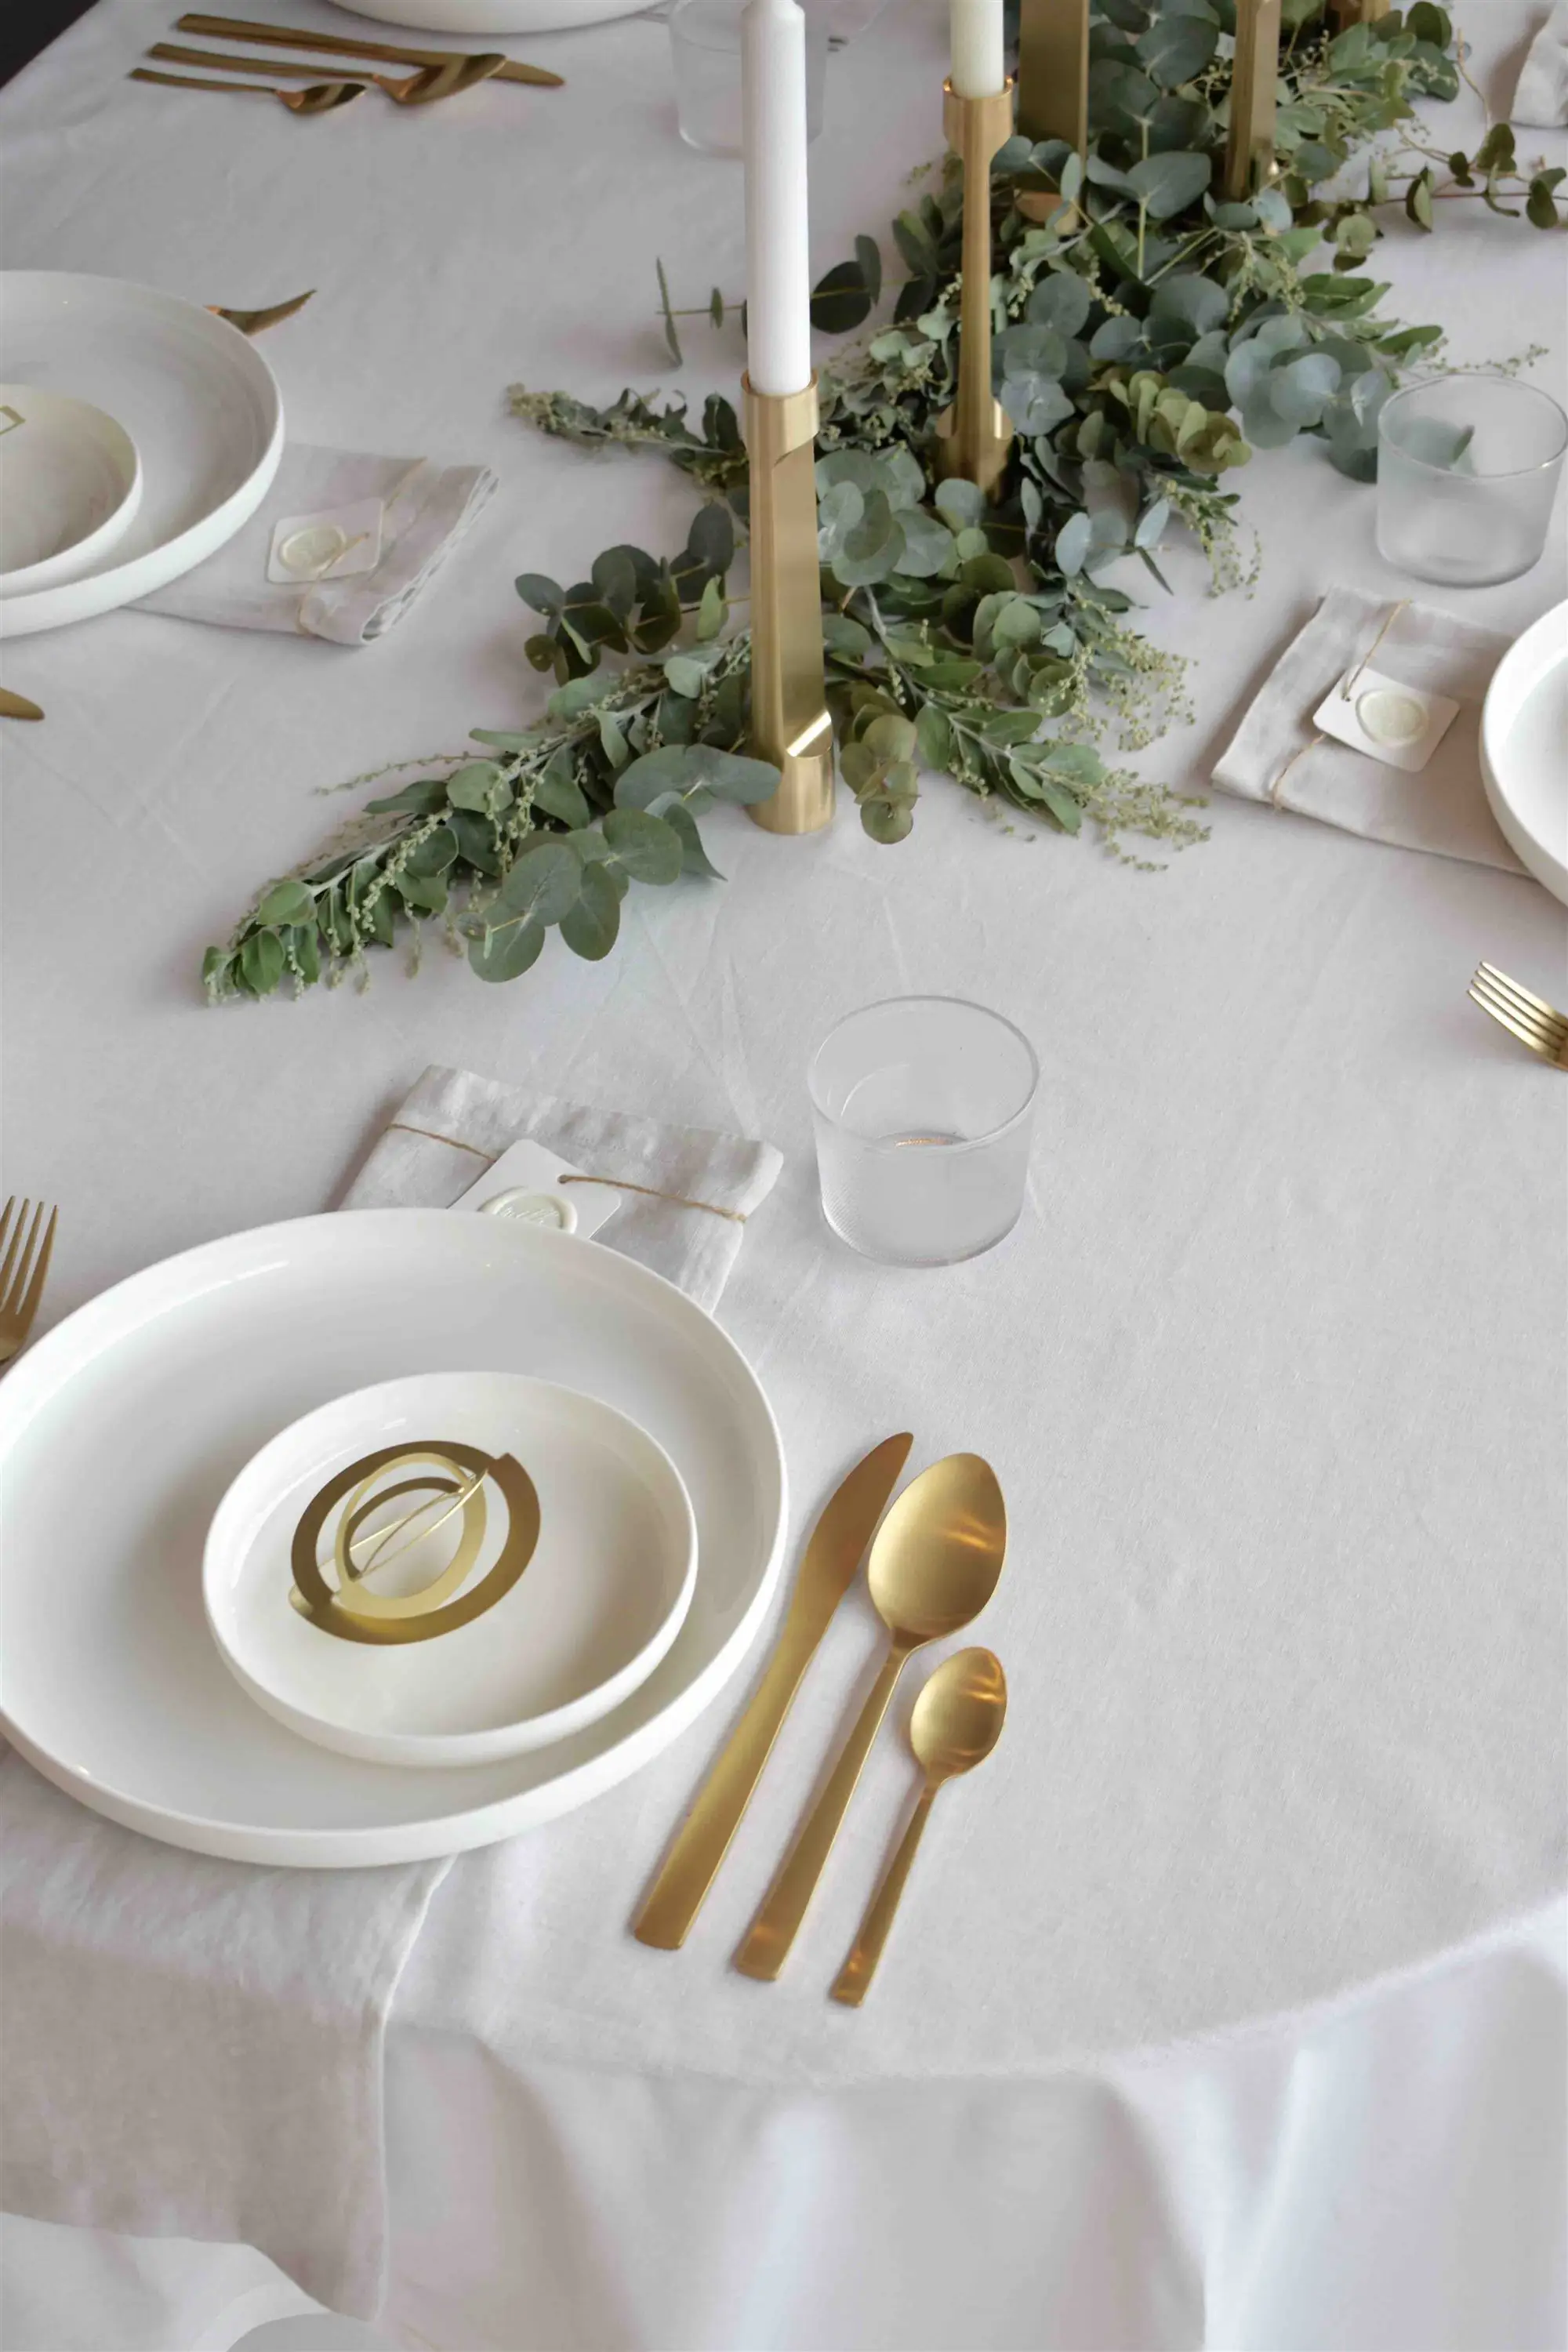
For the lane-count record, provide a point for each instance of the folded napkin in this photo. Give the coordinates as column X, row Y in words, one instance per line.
column 193, row 2048
column 1540, row 102
column 426, row 509
column 1278, row 755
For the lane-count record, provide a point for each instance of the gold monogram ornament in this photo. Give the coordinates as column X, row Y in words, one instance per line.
column 452, row 1481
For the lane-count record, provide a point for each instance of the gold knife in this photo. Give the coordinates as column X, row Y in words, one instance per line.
column 391, row 53
column 16, row 705
column 838, row 1544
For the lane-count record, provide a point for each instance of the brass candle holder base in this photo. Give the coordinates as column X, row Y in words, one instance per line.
column 790, row 725
column 976, row 433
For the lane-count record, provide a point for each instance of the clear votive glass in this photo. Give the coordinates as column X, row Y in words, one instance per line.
column 923, row 1108
column 705, row 43
column 1467, row 470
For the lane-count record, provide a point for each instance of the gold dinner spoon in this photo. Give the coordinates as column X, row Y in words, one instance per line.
column 957, row 1722
column 418, row 89
column 320, row 98
column 933, row 1567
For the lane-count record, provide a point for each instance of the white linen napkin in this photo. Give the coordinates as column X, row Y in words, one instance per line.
column 193, row 2048
column 1277, row 755
column 426, row 509
column 1540, row 102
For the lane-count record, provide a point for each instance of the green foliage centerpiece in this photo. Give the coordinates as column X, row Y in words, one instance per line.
column 1151, row 338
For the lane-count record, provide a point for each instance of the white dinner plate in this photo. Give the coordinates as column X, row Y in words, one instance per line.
column 121, row 1430
column 496, row 15
column 1524, row 749
column 70, row 483
column 197, row 399
column 597, row 1600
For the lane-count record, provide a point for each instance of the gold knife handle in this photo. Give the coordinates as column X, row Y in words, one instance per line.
column 853, row 1978
column 767, row 1945
column 703, row 1840
column 391, row 53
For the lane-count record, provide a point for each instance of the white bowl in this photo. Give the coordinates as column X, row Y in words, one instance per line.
column 70, row 483
column 595, row 1609
column 1524, row 749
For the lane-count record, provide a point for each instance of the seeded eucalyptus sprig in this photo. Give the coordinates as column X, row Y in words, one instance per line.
column 548, row 829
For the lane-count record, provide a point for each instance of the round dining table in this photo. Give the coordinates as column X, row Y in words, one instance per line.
column 1227, row 2004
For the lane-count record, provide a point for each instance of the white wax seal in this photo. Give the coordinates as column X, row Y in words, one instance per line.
column 531, row 1208
column 314, row 550
column 1390, row 717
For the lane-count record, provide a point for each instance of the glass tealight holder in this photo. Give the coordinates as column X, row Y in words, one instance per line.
column 1467, row 467
column 923, row 1108
column 705, row 45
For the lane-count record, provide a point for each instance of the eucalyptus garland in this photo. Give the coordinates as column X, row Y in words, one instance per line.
column 1151, row 338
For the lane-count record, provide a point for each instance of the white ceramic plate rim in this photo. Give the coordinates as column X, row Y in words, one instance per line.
column 121, row 583
column 82, row 554
column 496, row 15
column 526, row 1733
column 1521, row 671
column 50, row 1362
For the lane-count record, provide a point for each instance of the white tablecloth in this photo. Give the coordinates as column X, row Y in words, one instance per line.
column 1271, row 1370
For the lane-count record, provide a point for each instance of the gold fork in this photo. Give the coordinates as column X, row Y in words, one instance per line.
column 419, row 88
column 1529, row 1018
column 21, row 1276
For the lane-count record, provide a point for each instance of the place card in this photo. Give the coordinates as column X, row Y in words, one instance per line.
column 336, row 543
column 525, row 1183
column 1400, row 725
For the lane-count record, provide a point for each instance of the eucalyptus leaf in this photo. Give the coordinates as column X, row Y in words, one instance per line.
column 1168, row 182
column 590, row 927
column 286, row 902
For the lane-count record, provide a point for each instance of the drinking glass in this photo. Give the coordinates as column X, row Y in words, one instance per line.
column 1467, row 469
column 923, row 1108
column 705, row 42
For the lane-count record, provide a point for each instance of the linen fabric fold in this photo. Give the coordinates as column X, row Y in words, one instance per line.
column 195, row 2048
column 1540, row 100
column 1277, row 755
column 426, row 509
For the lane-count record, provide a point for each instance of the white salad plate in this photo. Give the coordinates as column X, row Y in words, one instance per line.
column 122, row 1428
column 70, row 483
column 496, row 15
column 1524, row 749
column 597, row 1604
column 199, row 402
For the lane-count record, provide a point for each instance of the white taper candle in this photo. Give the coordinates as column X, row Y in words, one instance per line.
column 978, row 67
column 778, row 250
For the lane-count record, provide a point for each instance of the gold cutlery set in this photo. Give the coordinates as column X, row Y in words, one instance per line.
column 437, row 73
column 934, row 1566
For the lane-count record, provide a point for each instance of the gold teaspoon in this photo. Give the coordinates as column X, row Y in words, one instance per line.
column 320, row 99
column 956, row 1723
column 933, row 1567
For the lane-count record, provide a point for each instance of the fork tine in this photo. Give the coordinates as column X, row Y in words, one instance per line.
column 12, row 1296
column 35, row 1290
column 1506, row 1020
column 5, row 1218
column 1538, row 1004
column 1535, row 1007
column 15, row 1243
column 1549, row 1033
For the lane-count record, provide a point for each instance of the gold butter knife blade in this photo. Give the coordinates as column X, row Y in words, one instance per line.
column 838, row 1544
column 16, row 705
column 389, row 52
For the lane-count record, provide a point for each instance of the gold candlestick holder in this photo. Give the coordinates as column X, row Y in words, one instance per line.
column 1053, row 71
column 1249, row 145
column 976, row 433
column 790, row 725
